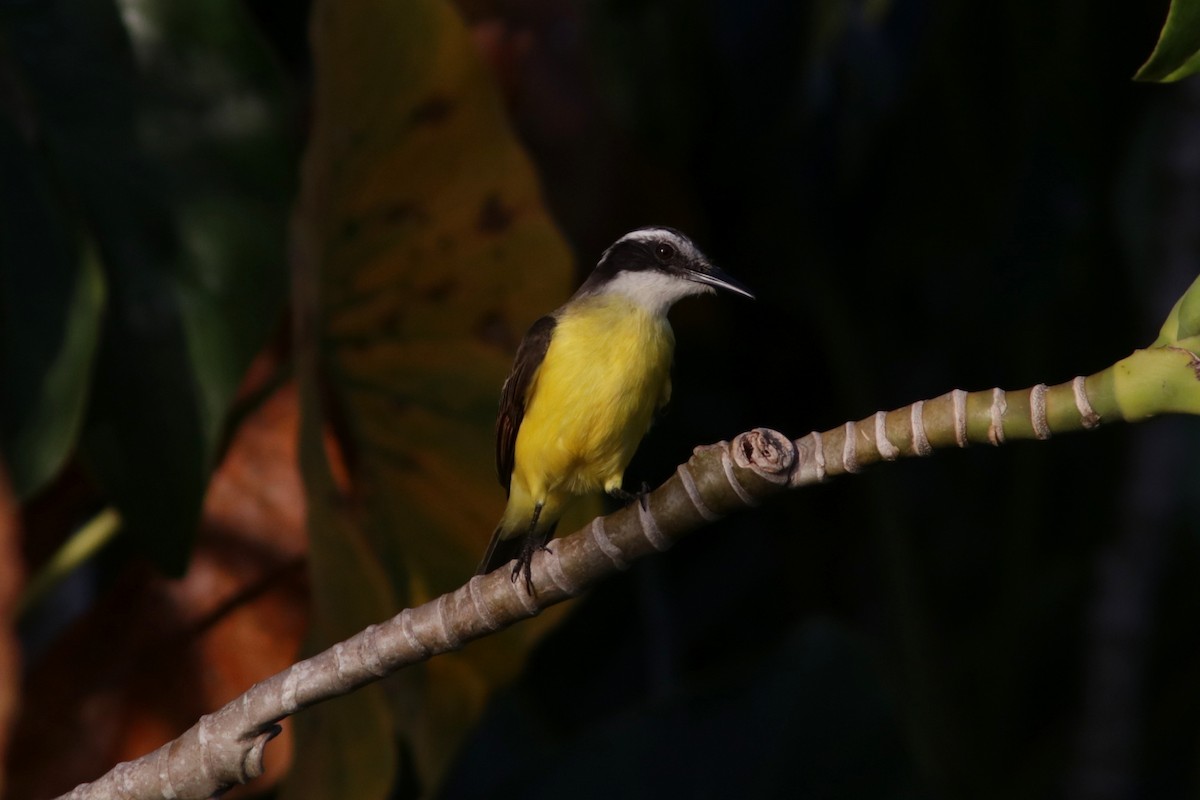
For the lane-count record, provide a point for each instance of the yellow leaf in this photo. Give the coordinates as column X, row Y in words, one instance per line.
column 422, row 252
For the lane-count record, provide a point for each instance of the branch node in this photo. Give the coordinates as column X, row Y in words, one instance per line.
column 887, row 450
column 850, row 449
column 481, row 607
column 920, row 439
column 730, row 478
column 1193, row 359
column 449, row 635
column 527, row 598
column 650, row 526
column 693, row 493
column 959, row 397
column 1087, row 415
column 558, row 575
column 1037, row 411
column 818, row 455
column 287, row 693
column 600, row 537
column 410, row 635
column 997, row 411
column 339, row 651
column 165, row 785
column 252, row 763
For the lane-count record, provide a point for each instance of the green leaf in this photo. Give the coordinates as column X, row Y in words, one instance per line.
column 1183, row 321
column 1189, row 312
column 168, row 149
column 217, row 123
column 142, row 437
column 1177, row 54
column 51, row 297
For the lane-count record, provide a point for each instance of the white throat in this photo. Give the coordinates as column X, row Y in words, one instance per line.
column 652, row 290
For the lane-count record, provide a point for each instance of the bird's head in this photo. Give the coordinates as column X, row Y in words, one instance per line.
column 655, row 267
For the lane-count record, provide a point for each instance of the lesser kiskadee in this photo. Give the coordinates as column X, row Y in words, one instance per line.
column 585, row 384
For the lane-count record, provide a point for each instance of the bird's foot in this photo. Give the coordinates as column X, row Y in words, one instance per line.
column 625, row 498
column 524, row 561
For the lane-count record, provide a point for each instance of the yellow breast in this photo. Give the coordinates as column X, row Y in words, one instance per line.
column 605, row 373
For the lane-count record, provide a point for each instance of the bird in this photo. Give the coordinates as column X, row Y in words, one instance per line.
column 585, row 385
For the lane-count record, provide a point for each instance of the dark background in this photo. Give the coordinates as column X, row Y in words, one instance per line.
column 925, row 196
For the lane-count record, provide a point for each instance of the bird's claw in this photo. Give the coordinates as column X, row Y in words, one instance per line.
column 524, row 564
column 624, row 497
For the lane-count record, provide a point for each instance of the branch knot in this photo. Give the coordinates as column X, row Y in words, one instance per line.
column 768, row 453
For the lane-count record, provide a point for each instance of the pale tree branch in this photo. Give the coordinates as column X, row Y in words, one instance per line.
column 225, row 748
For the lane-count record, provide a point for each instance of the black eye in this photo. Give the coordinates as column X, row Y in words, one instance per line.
column 664, row 252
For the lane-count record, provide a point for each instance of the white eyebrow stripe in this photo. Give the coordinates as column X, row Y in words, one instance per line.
column 645, row 234
column 683, row 244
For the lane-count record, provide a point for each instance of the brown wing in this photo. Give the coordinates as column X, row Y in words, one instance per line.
column 512, row 396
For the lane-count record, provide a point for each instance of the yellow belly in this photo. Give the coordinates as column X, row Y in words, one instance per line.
column 605, row 373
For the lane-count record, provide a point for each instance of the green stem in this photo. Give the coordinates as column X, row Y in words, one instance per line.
column 82, row 546
column 1164, row 379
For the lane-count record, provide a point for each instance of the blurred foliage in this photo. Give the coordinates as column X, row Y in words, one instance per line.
column 151, row 654
column 142, row 243
column 423, row 252
column 923, row 193
column 1177, row 54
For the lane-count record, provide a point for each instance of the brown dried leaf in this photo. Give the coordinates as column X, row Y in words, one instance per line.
column 153, row 654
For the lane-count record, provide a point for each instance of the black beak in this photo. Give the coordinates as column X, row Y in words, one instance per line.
column 714, row 276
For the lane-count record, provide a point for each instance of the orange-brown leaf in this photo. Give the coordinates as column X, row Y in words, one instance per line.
column 153, row 654
column 11, row 575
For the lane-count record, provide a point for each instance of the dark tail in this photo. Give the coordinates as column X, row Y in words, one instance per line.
column 501, row 551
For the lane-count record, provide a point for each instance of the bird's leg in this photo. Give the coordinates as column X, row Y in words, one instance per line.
column 525, row 562
column 625, row 498
column 531, row 545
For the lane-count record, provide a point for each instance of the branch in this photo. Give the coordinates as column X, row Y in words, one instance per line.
column 225, row 748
